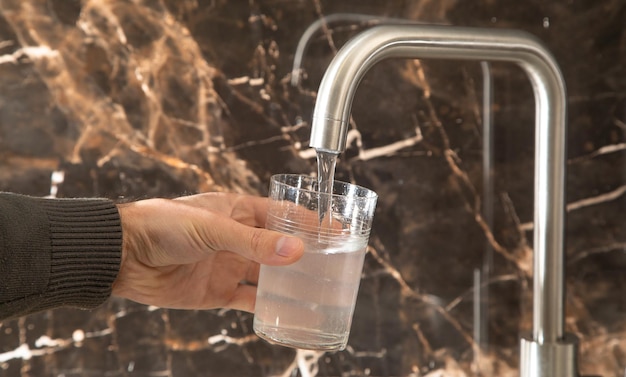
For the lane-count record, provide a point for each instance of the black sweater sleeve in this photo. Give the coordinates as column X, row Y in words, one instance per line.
column 56, row 252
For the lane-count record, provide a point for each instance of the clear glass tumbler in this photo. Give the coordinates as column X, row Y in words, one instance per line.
column 310, row 303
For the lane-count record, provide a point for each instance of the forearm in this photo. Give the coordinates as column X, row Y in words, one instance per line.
column 56, row 252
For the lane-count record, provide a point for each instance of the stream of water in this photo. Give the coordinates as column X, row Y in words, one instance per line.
column 326, row 163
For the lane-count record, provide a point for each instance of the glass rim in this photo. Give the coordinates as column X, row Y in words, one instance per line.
column 369, row 194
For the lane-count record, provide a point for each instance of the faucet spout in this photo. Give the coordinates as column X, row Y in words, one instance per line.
column 548, row 346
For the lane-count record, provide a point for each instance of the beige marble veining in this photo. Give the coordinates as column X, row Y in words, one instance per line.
column 131, row 99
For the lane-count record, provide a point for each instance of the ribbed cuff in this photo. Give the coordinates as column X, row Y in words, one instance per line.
column 86, row 241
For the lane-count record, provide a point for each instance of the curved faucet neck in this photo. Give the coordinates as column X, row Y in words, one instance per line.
column 337, row 89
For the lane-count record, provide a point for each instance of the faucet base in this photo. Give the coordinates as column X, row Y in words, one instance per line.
column 557, row 359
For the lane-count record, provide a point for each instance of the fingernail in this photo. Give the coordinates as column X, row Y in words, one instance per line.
column 287, row 246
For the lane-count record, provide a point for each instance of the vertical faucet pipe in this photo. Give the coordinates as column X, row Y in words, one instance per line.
column 334, row 101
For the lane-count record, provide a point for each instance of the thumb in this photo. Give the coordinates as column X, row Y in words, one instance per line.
column 260, row 245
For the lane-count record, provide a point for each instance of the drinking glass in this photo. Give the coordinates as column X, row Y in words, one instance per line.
column 309, row 304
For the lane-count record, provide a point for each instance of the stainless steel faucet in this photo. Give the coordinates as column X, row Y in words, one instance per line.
column 362, row 19
column 548, row 351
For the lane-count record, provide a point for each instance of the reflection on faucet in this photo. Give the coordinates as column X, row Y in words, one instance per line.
column 548, row 351
column 363, row 19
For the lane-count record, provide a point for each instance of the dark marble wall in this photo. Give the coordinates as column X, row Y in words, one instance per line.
column 143, row 98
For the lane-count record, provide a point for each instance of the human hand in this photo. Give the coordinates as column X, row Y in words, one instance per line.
column 198, row 252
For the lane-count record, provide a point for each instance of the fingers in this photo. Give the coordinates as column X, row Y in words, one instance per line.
column 243, row 298
column 250, row 210
column 229, row 222
column 247, row 209
column 252, row 275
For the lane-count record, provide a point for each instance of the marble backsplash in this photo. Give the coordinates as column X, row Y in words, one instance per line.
column 131, row 99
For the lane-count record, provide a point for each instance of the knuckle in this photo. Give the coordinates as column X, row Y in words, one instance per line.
column 256, row 241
